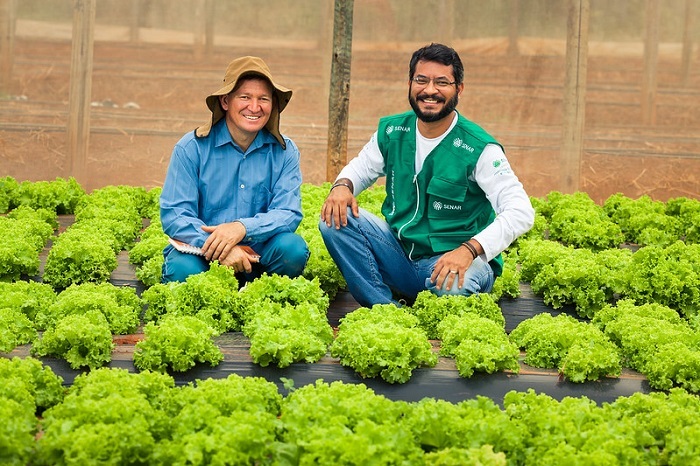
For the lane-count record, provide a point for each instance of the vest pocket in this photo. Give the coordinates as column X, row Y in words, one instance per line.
column 446, row 199
column 443, row 242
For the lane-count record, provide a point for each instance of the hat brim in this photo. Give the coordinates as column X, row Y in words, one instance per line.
column 250, row 66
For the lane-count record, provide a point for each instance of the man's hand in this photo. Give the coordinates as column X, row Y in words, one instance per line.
column 222, row 240
column 240, row 259
column 453, row 265
column 335, row 208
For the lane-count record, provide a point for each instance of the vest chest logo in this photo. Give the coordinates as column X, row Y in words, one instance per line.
column 437, row 205
column 391, row 129
column 457, row 142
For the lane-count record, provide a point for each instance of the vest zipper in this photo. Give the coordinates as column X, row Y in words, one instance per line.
column 415, row 213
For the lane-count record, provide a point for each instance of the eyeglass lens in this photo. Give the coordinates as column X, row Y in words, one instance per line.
column 437, row 82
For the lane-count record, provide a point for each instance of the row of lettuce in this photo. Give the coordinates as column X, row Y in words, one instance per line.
column 112, row 416
column 286, row 322
column 111, row 218
column 631, row 307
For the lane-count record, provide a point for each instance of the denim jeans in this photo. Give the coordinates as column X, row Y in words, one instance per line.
column 377, row 269
column 283, row 254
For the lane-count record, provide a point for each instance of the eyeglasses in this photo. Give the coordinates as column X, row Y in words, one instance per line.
column 440, row 83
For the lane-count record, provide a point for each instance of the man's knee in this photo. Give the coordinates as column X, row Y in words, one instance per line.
column 292, row 253
column 178, row 266
column 478, row 279
column 329, row 230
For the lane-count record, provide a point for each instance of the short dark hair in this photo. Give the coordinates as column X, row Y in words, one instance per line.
column 438, row 53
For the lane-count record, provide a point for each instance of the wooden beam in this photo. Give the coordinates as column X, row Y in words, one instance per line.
column 339, row 95
column 135, row 25
column 209, row 16
column 446, row 10
column 325, row 47
column 80, row 87
column 688, row 29
column 200, row 28
column 8, row 20
column 514, row 28
column 574, row 94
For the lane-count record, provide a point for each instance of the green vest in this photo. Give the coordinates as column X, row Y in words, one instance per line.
column 434, row 211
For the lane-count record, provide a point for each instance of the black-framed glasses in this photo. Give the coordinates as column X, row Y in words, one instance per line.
column 440, row 83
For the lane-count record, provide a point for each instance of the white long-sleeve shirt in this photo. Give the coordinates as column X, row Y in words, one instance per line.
column 514, row 213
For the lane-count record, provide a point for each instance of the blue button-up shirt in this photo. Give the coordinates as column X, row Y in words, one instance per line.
column 211, row 181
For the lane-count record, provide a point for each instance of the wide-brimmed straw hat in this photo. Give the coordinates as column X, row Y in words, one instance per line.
column 237, row 69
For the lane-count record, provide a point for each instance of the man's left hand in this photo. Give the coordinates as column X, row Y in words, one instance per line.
column 240, row 259
column 453, row 265
column 222, row 240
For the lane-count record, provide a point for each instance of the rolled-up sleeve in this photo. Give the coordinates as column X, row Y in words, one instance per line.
column 514, row 212
column 365, row 169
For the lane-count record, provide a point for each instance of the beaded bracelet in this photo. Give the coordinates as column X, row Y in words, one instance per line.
column 471, row 248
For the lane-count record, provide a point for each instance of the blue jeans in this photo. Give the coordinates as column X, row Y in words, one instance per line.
column 283, row 254
column 377, row 269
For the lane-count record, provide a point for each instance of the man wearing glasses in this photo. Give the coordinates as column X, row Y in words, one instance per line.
column 453, row 203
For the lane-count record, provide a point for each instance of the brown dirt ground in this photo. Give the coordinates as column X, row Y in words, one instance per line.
column 518, row 99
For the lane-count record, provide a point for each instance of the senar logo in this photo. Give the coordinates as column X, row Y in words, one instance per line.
column 502, row 167
column 391, row 129
column 498, row 162
column 457, row 142
column 437, row 206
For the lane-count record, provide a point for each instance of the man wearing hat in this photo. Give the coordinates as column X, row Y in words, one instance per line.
column 233, row 185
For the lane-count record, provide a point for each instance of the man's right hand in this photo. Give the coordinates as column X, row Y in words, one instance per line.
column 335, row 208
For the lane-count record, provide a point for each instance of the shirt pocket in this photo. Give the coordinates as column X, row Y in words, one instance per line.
column 262, row 197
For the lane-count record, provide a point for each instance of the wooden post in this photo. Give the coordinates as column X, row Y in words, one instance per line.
column 326, row 44
column 514, row 28
column 339, row 95
column 199, row 32
column 446, row 10
column 688, row 28
column 651, row 55
column 7, row 43
column 135, row 21
column 209, row 15
column 574, row 94
column 80, row 87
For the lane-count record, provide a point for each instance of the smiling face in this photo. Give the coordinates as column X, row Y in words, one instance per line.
column 435, row 100
column 248, row 109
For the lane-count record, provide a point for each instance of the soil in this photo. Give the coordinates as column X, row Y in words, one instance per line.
column 147, row 95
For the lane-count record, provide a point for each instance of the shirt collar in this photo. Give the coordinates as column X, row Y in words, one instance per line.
column 222, row 136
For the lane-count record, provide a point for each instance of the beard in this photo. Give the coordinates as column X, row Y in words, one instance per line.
column 449, row 107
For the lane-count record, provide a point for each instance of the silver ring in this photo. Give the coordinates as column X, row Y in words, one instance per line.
column 453, row 271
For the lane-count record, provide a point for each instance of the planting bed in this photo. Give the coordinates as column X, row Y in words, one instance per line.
column 442, row 381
